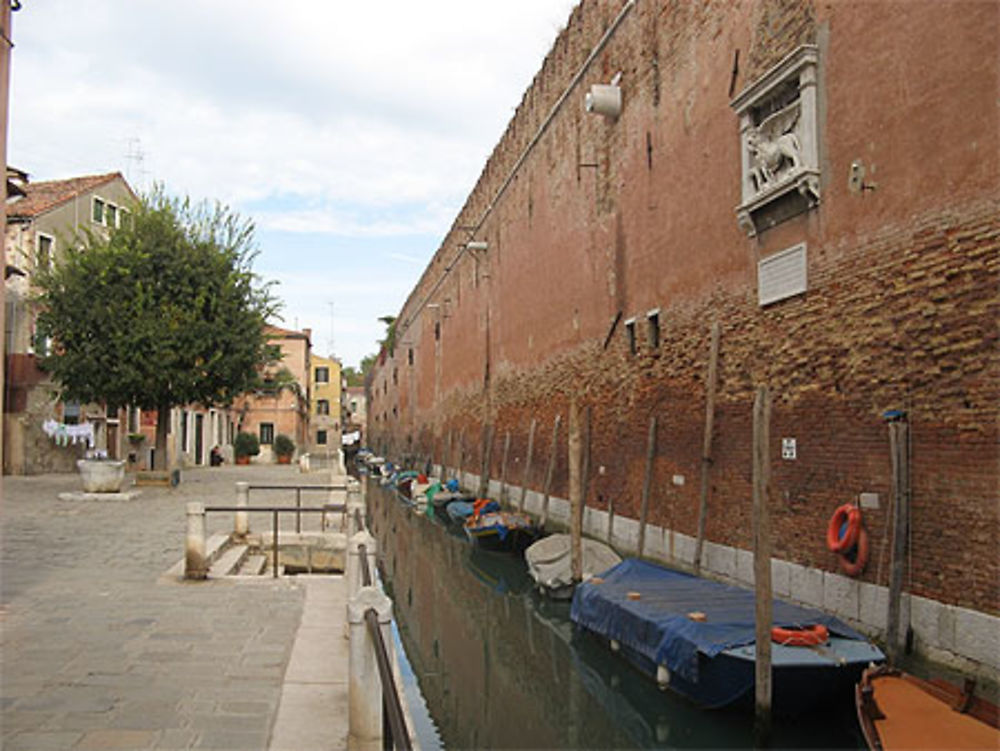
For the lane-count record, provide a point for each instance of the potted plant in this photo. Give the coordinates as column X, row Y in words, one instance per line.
column 245, row 445
column 284, row 448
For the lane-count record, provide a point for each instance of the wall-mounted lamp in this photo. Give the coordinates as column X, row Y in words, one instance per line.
column 477, row 245
column 605, row 99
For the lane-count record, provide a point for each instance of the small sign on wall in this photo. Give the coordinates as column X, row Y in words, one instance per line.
column 788, row 449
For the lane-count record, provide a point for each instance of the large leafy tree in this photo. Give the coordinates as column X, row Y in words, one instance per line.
column 164, row 311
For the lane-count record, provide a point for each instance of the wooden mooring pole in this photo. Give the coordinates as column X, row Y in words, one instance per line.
column 550, row 471
column 575, row 445
column 527, row 462
column 503, row 468
column 706, row 451
column 762, row 562
column 484, row 472
column 647, row 483
column 899, row 442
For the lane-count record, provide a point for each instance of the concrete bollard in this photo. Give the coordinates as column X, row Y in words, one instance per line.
column 195, row 563
column 241, row 525
column 364, row 689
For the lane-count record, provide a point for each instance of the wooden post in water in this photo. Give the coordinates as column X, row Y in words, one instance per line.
column 611, row 519
column 445, row 459
column 550, row 472
column 899, row 449
column 484, row 472
column 647, row 483
column 575, row 445
column 503, row 468
column 461, row 456
column 585, row 468
column 527, row 462
column 706, row 450
column 762, row 561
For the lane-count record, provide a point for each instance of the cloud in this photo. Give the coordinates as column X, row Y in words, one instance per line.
column 324, row 122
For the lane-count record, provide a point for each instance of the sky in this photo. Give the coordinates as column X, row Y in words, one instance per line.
column 350, row 133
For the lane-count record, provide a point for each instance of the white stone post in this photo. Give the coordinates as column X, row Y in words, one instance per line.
column 242, row 521
column 354, row 502
column 353, row 569
column 195, row 563
column 364, row 691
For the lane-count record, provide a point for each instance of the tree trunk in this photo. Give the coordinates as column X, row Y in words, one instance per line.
column 162, row 430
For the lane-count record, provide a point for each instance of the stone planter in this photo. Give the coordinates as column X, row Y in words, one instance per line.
column 102, row 476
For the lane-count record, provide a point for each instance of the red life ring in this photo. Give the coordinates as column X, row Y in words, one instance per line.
column 861, row 552
column 806, row 636
column 852, row 516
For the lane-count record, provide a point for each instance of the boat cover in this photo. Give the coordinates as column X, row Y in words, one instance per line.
column 657, row 626
column 550, row 560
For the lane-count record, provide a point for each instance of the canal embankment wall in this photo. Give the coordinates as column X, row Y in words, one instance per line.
column 855, row 279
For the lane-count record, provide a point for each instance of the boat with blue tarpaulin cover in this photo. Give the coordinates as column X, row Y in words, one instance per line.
column 697, row 637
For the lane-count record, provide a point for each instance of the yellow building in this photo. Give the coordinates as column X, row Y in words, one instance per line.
column 325, row 387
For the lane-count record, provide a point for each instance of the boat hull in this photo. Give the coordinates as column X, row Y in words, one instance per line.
column 697, row 637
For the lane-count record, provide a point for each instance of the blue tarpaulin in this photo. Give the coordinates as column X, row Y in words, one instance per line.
column 657, row 624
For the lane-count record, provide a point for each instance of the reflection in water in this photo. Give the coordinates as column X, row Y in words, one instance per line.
column 499, row 666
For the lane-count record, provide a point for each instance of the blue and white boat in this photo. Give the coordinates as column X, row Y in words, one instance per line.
column 697, row 637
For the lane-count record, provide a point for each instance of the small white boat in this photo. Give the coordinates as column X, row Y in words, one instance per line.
column 550, row 563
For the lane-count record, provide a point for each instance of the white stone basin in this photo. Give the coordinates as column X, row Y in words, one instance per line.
column 102, row 476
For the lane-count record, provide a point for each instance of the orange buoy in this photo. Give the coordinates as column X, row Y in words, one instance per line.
column 861, row 552
column 851, row 515
column 806, row 636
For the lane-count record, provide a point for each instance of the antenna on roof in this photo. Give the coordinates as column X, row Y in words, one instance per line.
column 135, row 158
column 329, row 342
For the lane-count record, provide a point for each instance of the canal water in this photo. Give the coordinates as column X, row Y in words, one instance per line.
column 499, row 666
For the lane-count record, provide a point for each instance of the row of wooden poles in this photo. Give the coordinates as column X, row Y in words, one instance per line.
column 579, row 459
column 579, row 470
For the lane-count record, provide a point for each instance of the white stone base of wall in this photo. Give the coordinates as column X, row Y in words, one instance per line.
column 965, row 639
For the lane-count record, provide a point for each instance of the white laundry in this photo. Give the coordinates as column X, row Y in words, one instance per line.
column 64, row 434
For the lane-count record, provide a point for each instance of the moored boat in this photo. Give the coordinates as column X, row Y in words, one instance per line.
column 697, row 637
column 897, row 710
column 500, row 530
column 550, row 563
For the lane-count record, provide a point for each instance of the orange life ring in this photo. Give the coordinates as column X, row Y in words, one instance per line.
column 861, row 552
column 846, row 513
column 806, row 636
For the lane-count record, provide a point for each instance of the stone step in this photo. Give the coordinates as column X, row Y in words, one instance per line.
column 254, row 565
column 229, row 561
column 214, row 547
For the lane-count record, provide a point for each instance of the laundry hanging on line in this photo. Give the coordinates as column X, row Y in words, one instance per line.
column 64, row 434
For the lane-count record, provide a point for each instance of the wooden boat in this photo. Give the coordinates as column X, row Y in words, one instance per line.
column 500, row 530
column 697, row 637
column 897, row 710
column 550, row 563
column 460, row 509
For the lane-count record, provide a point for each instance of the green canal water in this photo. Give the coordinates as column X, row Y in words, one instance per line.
column 499, row 666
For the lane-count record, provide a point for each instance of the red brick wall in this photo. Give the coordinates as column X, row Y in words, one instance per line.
column 636, row 214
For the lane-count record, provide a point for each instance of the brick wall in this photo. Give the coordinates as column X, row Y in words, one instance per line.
column 607, row 220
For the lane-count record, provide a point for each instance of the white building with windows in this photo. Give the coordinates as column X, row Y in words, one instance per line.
column 43, row 220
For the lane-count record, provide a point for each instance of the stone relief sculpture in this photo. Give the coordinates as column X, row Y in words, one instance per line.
column 774, row 148
column 779, row 142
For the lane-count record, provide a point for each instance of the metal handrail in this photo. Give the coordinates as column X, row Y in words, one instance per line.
column 298, row 494
column 394, row 731
column 275, row 510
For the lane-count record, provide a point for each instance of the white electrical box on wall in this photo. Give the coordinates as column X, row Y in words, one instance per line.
column 788, row 448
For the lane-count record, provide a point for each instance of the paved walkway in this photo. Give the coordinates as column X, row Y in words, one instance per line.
column 101, row 651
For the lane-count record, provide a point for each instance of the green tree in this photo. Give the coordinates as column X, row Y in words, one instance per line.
column 164, row 311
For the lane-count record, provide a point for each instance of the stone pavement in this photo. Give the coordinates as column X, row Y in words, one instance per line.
column 101, row 651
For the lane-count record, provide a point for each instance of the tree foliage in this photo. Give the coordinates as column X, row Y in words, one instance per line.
column 163, row 311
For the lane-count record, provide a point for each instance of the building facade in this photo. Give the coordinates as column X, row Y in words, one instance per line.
column 44, row 219
column 324, row 428
column 804, row 179
column 281, row 406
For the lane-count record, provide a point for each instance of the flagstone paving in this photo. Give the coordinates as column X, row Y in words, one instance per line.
column 100, row 650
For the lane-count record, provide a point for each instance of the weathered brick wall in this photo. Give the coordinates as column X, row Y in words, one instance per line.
column 610, row 219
